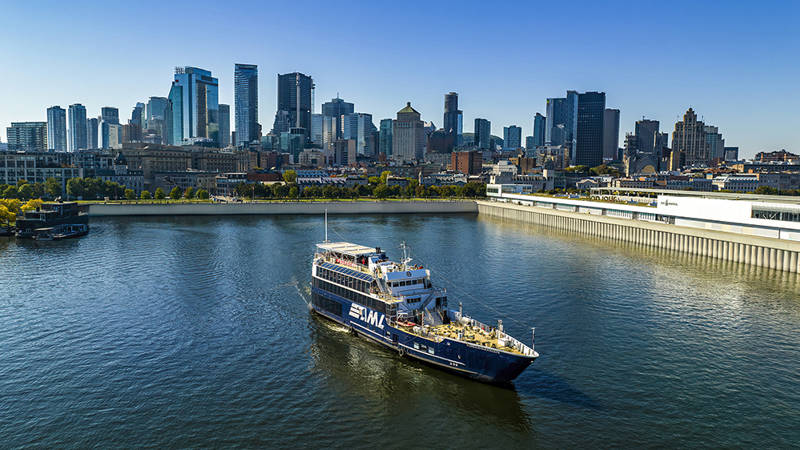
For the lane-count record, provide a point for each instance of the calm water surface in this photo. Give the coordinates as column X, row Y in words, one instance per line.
column 193, row 332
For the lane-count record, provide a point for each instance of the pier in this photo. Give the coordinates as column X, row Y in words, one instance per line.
column 773, row 253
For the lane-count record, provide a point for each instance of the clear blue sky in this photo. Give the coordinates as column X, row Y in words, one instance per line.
column 737, row 63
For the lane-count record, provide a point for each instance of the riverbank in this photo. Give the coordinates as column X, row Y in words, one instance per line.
column 285, row 207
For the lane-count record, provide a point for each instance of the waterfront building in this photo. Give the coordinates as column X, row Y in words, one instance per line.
column 174, row 115
column 245, row 94
column 36, row 166
column 197, row 105
column 689, row 145
column 345, row 152
column 294, row 103
column 610, row 133
column 56, row 129
column 408, row 135
column 336, row 108
column 483, row 134
column 512, row 137
column 453, row 119
column 77, row 127
column 92, row 127
column 358, row 126
column 224, row 125
column 588, row 149
column 27, row 136
column 539, row 131
column 385, row 137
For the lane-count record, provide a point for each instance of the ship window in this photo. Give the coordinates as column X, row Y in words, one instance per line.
column 430, row 350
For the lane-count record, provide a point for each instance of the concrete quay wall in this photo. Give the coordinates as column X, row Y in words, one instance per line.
column 266, row 208
column 753, row 250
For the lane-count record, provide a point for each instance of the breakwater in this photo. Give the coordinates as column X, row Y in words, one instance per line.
column 292, row 208
column 753, row 250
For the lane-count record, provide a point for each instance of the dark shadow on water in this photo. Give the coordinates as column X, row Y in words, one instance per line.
column 542, row 384
column 366, row 369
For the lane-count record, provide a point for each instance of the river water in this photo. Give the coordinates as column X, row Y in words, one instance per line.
column 194, row 331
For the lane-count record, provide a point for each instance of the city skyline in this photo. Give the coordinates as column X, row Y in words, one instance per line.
column 746, row 92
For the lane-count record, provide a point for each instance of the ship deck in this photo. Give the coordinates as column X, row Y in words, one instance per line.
column 471, row 335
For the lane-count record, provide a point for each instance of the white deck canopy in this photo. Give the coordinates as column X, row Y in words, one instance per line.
column 346, row 248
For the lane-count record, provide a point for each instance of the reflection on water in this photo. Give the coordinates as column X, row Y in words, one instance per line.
column 195, row 332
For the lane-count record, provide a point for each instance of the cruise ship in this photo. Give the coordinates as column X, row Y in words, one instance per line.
column 397, row 306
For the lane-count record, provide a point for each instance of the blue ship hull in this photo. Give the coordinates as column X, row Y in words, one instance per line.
column 470, row 360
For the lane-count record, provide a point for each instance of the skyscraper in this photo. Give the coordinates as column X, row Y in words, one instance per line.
column 91, row 133
column 137, row 122
column 588, row 149
column 539, row 130
column 156, row 111
column 385, row 139
column 336, row 108
column 689, row 142
column 224, row 125
column 316, row 129
column 294, row 98
column 358, row 126
column 453, row 118
column 646, row 132
column 108, row 116
column 245, row 78
column 27, row 136
column 408, row 135
column 56, row 129
column 512, row 137
column 173, row 115
column 562, row 119
column 610, row 133
column 77, row 127
column 715, row 143
column 483, row 133
column 199, row 106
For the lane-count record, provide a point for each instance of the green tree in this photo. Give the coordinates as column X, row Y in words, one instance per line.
column 189, row 193
column 129, row 194
column 382, row 191
column 145, row 195
column 294, row 192
column 76, row 187
column 10, row 192
column 766, row 190
column 202, row 194
column 6, row 216
column 25, row 191
column 160, row 194
column 290, row 176
column 175, row 193
column 52, row 187
column 384, row 175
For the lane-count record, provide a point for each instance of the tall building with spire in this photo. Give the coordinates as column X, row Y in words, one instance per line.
column 245, row 93
column 689, row 145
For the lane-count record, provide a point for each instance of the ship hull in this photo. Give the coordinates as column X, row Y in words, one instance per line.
column 470, row 360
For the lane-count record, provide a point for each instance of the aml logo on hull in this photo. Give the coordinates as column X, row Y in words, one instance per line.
column 362, row 313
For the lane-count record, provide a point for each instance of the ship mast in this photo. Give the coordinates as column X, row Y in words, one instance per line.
column 326, row 224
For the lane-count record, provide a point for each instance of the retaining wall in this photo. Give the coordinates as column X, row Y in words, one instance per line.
column 216, row 209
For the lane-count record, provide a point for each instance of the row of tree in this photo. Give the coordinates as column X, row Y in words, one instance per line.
column 26, row 191
column 175, row 194
column 379, row 190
